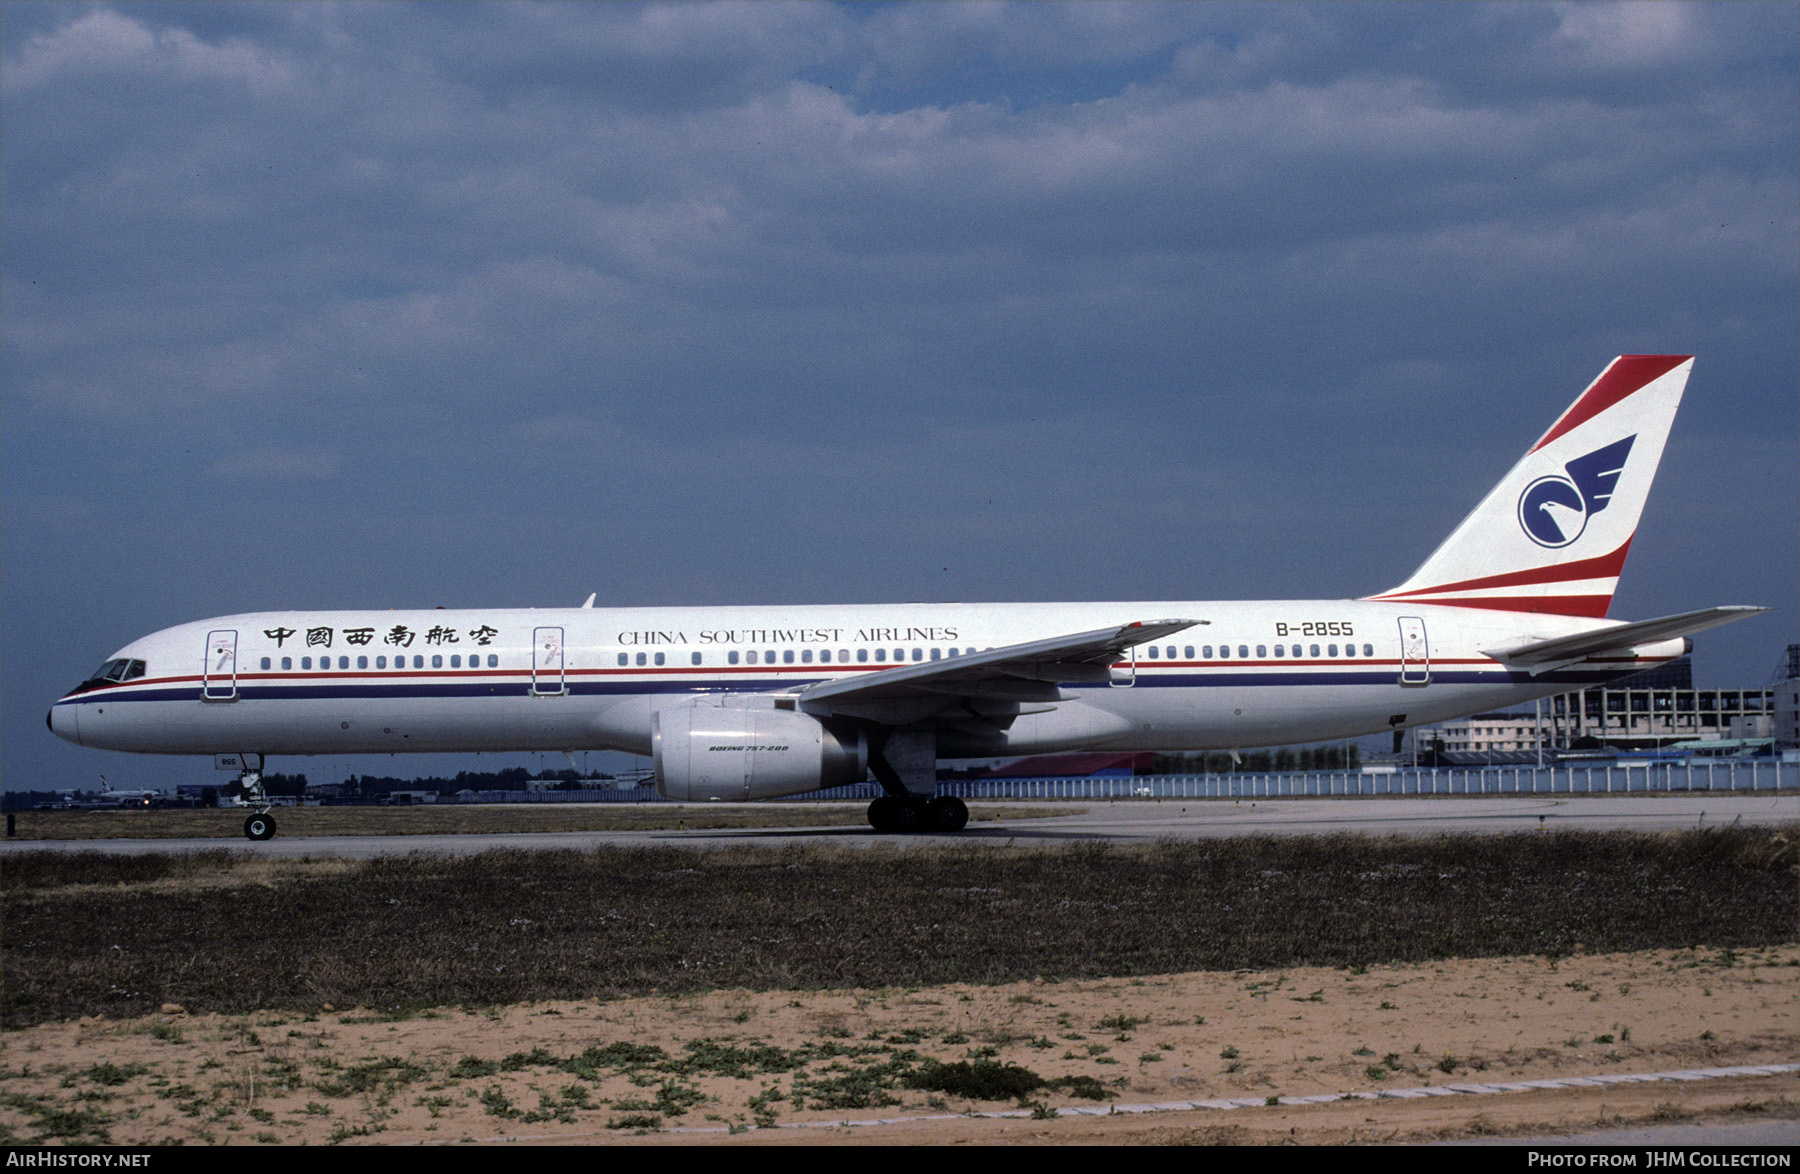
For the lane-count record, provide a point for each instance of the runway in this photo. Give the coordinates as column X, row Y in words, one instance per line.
column 1089, row 821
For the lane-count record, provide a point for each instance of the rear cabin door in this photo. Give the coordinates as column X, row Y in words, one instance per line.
column 1415, row 652
column 218, row 677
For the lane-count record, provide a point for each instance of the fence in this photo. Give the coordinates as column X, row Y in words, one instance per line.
column 1753, row 774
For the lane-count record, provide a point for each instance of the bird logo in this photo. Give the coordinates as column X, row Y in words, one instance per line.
column 1554, row 510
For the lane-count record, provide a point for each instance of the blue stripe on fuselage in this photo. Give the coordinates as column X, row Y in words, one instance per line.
column 330, row 690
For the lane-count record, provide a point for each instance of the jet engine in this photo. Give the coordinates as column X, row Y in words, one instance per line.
column 746, row 748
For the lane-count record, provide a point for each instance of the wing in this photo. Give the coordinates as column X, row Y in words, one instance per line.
column 1017, row 673
column 1620, row 638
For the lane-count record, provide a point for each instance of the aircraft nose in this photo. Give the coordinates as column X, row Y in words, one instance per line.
column 64, row 723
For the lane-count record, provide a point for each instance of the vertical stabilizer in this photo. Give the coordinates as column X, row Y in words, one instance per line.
column 1552, row 536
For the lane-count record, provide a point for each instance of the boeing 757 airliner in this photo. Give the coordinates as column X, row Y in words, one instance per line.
column 754, row 702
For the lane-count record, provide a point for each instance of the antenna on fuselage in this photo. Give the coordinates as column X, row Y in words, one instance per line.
column 590, row 599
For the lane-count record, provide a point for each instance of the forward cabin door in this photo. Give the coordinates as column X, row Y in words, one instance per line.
column 547, row 663
column 1415, row 652
column 218, row 675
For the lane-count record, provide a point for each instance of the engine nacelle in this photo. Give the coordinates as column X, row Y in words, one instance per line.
column 745, row 748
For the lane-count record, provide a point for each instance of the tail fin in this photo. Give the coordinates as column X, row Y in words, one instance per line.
column 1552, row 536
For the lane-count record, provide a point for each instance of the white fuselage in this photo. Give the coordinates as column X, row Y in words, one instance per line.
column 355, row 682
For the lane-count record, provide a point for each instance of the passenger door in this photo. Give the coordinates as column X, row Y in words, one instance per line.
column 218, row 673
column 1415, row 652
column 547, row 663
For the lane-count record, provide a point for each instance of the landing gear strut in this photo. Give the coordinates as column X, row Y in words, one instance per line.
column 260, row 826
column 905, row 764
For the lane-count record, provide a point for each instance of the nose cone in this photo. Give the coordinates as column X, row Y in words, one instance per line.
column 64, row 722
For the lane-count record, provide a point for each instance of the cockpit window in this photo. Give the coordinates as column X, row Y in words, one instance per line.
column 113, row 672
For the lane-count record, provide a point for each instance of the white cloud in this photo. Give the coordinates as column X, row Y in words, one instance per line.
column 104, row 41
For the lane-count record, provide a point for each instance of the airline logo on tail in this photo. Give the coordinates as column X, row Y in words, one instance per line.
column 1554, row 511
column 1552, row 535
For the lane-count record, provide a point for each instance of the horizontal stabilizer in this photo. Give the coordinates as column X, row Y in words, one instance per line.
column 1083, row 656
column 1621, row 638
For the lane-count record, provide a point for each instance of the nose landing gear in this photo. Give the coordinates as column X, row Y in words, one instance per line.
column 260, row 826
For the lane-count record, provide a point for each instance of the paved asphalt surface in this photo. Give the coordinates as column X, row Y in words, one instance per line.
column 1124, row 822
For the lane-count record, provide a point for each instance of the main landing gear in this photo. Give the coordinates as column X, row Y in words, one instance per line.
column 915, row 813
column 904, row 762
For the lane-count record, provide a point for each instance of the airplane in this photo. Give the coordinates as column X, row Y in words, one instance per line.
column 70, row 798
column 754, row 702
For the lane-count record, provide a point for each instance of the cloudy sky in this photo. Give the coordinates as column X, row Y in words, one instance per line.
column 384, row 305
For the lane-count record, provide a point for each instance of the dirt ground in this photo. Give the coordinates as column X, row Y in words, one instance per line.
column 741, row 1066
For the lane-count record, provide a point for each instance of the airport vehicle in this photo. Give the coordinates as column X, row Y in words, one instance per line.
column 756, row 702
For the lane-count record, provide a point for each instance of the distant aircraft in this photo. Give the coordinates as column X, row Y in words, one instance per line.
column 71, row 798
column 753, row 702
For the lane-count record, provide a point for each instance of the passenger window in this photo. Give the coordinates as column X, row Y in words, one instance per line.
column 380, row 662
column 862, row 655
column 437, row 662
column 306, row 662
column 641, row 658
column 343, row 662
column 659, row 659
column 1368, row 650
column 881, row 655
column 750, row 657
column 265, row 662
column 731, row 657
column 624, row 659
column 493, row 660
column 768, row 656
column 1315, row 650
column 899, row 654
column 824, row 656
column 696, row 658
column 1279, row 650
column 1261, row 652
column 1244, row 651
column 1224, row 652
column 362, row 662
column 843, row 656
column 918, row 654
column 418, row 662
column 954, row 651
column 787, row 656
column 936, row 653
column 1153, row 652
column 1190, row 652
column 1331, row 650
column 1206, row 652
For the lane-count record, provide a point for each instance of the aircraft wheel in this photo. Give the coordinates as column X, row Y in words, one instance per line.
column 909, row 815
column 947, row 813
column 260, row 827
column 881, row 814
